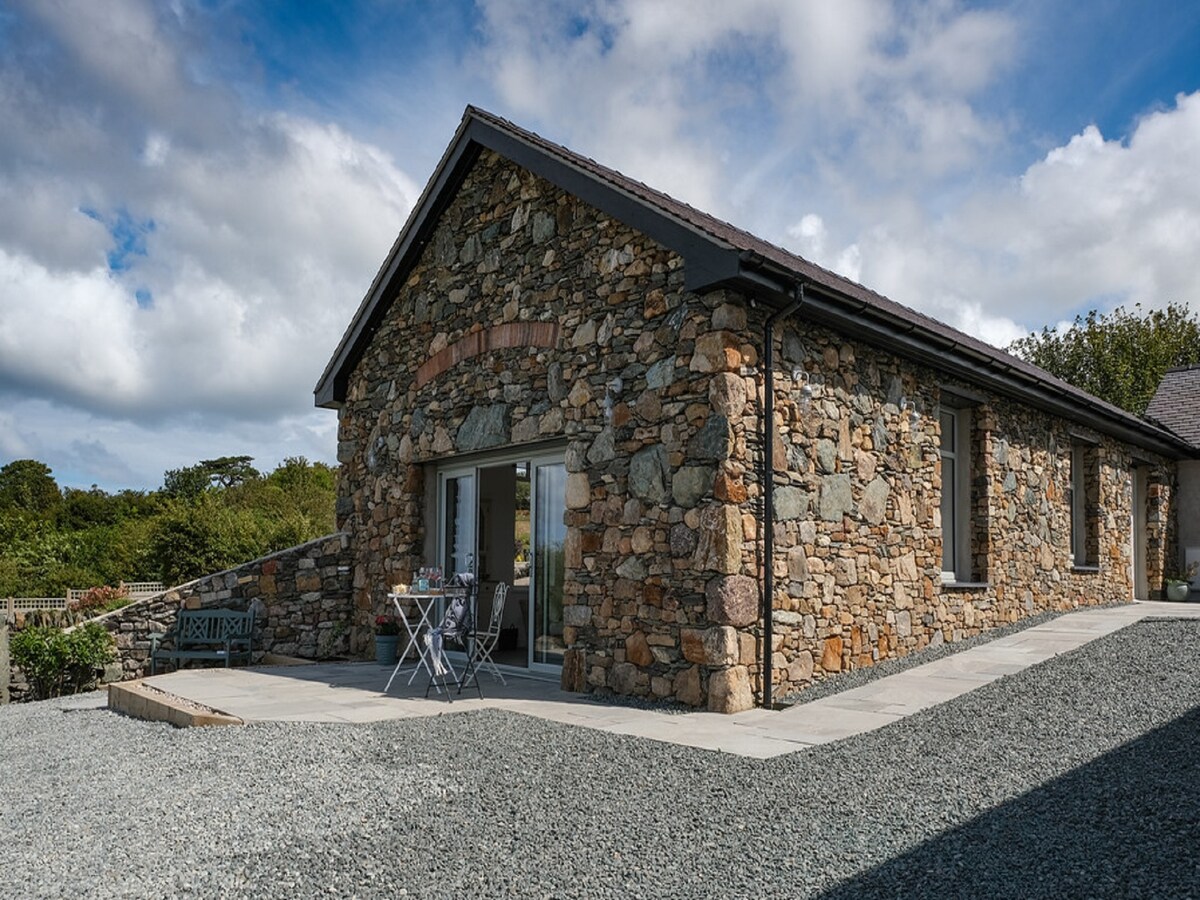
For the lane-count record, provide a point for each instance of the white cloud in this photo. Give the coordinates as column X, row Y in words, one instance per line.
column 248, row 235
column 1094, row 224
column 857, row 133
column 251, row 247
column 85, row 449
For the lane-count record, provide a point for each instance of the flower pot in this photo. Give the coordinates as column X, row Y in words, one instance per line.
column 1177, row 590
column 385, row 649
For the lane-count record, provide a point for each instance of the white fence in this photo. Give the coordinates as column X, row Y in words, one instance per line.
column 25, row 604
column 134, row 589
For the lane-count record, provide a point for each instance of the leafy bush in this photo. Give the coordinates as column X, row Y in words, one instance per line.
column 194, row 539
column 57, row 662
column 102, row 599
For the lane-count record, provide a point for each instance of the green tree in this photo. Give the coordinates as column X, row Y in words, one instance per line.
column 1120, row 356
column 187, row 483
column 223, row 472
column 28, row 485
column 228, row 471
column 202, row 537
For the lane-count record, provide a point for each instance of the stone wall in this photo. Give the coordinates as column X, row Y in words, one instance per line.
column 858, row 544
column 301, row 597
column 512, row 329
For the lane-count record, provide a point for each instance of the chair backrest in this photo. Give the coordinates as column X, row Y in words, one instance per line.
column 497, row 608
column 457, row 623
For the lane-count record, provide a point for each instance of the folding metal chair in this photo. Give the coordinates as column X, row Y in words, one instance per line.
column 486, row 640
column 458, row 626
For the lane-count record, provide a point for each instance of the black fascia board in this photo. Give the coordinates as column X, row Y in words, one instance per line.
column 452, row 168
column 826, row 307
column 708, row 261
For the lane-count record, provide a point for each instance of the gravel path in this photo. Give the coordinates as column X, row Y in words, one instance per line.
column 1077, row 777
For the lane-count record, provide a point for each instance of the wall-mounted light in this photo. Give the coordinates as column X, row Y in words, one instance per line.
column 807, row 384
column 912, row 407
column 612, row 391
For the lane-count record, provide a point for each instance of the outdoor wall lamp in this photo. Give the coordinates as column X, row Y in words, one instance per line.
column 612, row 391
column 807, row 384
column 911, row 406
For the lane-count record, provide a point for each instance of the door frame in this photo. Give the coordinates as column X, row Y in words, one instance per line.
column 533, row 458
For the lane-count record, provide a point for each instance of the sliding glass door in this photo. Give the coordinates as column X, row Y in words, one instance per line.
column 502, row 520
column 549, row 538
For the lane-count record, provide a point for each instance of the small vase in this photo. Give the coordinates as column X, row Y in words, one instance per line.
column 1177, row 590
column 385, row 649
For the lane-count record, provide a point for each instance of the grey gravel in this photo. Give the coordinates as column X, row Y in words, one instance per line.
column 1076, row 777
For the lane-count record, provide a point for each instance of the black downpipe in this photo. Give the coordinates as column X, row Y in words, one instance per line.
column 768, row 443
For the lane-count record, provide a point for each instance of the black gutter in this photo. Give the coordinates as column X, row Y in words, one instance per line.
column 768, row 444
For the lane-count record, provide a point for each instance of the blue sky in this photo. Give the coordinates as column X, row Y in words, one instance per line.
column 197, row 193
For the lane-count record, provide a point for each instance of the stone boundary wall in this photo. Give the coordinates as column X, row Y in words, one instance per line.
column 302, row 598
column 303, row 609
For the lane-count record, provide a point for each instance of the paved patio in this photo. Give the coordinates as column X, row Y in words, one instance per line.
column 353, row 692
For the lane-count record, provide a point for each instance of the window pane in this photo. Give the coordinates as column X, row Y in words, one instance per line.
column 460, row 524
column 949, row 524
column 549, row 538
column 946, row 419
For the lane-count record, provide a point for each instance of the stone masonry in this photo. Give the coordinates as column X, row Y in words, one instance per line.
column 301, row 597
column 512, row 329
column 858, row 538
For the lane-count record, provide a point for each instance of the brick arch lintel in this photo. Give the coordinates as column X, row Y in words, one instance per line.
column 498, row 337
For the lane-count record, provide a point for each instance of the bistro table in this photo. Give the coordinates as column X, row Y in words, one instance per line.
column 426, row 606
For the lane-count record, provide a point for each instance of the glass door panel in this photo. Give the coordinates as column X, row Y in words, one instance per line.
column 458, row 523
column 549, row 538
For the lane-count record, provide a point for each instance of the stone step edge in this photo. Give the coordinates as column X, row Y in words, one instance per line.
column 278, row 659
column 139, row 701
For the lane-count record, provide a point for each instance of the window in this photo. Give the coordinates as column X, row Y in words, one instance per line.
column 956, row 493
column 1084, row 497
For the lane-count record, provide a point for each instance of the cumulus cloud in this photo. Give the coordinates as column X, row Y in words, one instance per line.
column 720, row 102
column 189, row 243
column 202, row 256
column 1095, row 223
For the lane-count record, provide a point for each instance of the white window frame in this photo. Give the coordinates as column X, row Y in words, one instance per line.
column 961, row 458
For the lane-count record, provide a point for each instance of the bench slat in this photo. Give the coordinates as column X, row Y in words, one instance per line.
column 198, row 632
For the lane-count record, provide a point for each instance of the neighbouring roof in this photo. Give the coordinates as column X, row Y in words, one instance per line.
column 717, row 254
column 1176, row 403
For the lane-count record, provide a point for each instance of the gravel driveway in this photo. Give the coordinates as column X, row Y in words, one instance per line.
column 1077, row 777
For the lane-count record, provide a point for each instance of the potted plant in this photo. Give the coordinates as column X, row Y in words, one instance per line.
column 1177, row 580
column 387, row 637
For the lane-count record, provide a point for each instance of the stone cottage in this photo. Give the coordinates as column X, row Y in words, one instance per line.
column 713, row 471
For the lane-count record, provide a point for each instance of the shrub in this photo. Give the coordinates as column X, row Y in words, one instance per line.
column 101, row 600
column 57, row 662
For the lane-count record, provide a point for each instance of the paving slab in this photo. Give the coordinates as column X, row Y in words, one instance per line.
column 353, row 692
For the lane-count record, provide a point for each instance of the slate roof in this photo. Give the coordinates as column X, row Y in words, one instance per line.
column 717, row 253
column 1176, row 403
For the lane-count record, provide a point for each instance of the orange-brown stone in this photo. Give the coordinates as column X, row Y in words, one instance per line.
column 831, row 659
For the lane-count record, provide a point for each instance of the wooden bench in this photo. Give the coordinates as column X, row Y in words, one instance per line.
column 205, row 634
